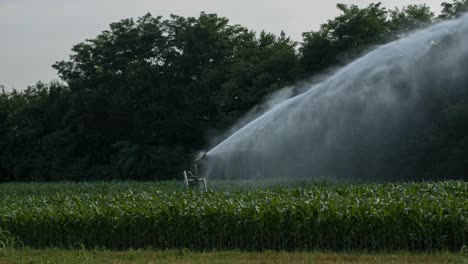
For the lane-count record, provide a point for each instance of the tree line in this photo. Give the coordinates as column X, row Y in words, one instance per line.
column 138, row 100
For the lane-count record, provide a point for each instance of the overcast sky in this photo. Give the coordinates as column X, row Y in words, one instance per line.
column 37, row 33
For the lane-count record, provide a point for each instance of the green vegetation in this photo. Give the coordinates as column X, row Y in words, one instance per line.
column 390, row 217
column 184, row 256
column 140, row 98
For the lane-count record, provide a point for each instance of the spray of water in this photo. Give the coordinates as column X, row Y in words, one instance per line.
column 349, row 125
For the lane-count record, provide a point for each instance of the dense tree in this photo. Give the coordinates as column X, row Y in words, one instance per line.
column 30, row 120
column 454, row 9
column 355, row 30
column 141, row 97
column 410, row 18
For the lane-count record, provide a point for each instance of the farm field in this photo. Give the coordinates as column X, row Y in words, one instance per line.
column 181, row 256
column 416, row 217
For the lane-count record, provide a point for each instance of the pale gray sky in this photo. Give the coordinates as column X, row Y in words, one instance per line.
column 35, row 34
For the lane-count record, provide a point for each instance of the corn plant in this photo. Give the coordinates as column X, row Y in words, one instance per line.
column 407, row 216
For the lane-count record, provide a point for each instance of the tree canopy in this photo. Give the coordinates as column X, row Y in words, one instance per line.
column 138, row 100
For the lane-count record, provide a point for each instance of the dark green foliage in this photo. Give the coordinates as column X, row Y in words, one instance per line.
column 31, row 123
column 393, row 217
column 454, row 9
column 410, row 18
column 141, row 97
column 348, row 35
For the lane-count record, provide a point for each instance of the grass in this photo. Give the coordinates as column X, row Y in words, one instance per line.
column 54, row 255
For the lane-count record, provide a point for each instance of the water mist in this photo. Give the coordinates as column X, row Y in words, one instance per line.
column 355, row 123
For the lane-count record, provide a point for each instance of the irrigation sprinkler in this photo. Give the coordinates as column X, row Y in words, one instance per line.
column 195, row 179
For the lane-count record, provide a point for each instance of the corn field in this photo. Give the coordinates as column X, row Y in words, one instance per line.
column 412, row 216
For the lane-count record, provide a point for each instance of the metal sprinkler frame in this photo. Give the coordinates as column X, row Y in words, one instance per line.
column 195, row 180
